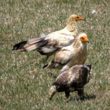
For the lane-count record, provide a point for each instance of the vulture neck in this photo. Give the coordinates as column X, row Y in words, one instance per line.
column 72, row 27
column 77, row 44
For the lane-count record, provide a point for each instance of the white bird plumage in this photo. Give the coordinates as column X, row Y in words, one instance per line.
column 49, row 44
column 76, row 53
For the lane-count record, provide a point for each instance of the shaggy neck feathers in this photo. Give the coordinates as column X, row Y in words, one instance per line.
column 72, row 27
column 77, row 43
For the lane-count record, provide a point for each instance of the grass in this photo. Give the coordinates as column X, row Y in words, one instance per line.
column 23, row 83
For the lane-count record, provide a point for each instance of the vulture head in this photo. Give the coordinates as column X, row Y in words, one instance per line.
column 83, row 38
column 71, row 23
column 73, row 79
column 74, row 18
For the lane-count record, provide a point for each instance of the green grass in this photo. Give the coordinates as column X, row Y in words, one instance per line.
column 23, row 83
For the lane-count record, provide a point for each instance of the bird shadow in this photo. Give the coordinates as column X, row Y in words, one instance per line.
column 86, row 97
column 89, row 96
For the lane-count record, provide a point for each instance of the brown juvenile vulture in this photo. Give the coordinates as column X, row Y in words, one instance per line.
column 73, row 79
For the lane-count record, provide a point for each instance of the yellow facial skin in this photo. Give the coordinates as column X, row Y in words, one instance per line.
column 84, row 39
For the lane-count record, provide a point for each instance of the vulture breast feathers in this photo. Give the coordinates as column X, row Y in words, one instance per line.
column 73, row 79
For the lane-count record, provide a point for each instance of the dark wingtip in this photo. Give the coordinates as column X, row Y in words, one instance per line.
column 19, row 46
column 15, row 47
column 44, row 66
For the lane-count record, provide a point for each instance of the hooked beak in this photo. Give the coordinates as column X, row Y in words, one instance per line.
column 86, row 40
column 78, row 18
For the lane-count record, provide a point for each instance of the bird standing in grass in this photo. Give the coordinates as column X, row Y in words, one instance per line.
column 52, row 42
column 76, row 53
column 73, row 79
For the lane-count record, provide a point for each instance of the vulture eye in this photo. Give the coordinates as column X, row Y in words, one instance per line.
column 79, row 18
column 82, row 38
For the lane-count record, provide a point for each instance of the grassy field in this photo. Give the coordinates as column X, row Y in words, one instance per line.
column 23, row 83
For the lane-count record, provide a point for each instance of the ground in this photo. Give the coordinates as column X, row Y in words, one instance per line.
column 23, row 83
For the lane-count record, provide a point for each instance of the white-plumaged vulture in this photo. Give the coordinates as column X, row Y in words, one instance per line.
column 50, row 43
column 76, row 53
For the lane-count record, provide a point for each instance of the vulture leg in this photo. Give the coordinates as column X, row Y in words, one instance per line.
column 45, row 60
column 47, row 57
column 48, row 65
column 81, row 93
column 67, row 94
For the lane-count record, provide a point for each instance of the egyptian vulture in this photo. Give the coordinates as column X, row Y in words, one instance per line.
column 76, row 53
column 48, row 44
column 73, row 79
